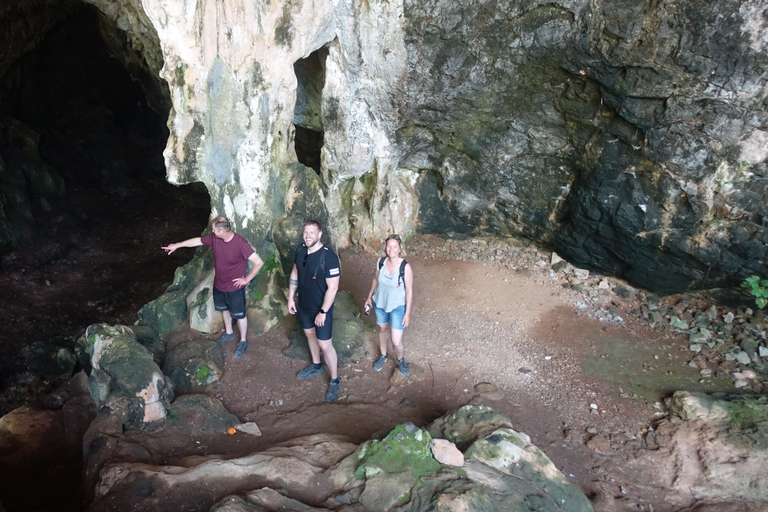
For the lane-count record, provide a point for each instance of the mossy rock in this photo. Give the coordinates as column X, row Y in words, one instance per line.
column 166, row 313
column 169, row 311
column 348, row 333
column 406, row 448
column 199, row 413
column 194, row 365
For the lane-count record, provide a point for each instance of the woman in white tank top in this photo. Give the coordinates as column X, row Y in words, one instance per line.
column 391, row 296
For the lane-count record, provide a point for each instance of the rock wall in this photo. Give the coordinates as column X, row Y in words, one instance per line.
column 630, row 137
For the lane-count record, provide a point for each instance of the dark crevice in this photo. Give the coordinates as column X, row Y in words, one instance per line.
column 307, row 116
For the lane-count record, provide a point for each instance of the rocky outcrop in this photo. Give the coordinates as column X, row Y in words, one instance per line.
column 501, row 471
column 629, row 137
column 626, row 136
column 711, row 450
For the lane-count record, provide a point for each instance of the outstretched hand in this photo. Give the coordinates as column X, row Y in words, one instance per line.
column 170, row 248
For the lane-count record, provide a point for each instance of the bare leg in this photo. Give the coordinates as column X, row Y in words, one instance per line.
column 330, row 357
column 314, row 346
column 397, row 342
column 383, row 338
column 227, row 321
column 242, row 325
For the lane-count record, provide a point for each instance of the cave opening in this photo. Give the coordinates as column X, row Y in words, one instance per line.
column 84, row 202
column 307, row 115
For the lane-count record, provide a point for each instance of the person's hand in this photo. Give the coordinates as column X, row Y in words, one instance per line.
column 320, row 319
column 170, row 248
column 406, row 319
column 292, row 306
column 240, row 282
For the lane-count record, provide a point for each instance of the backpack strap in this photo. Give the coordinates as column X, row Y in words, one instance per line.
column 320, row 264
column 381, row 262
column 402, row 273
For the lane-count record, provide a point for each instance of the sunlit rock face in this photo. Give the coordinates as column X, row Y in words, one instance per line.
column 630, row 137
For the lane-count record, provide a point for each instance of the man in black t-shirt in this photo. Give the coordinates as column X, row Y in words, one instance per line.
column 315, row 275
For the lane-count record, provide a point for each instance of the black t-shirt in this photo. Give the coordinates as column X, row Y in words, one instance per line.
column 312, row 285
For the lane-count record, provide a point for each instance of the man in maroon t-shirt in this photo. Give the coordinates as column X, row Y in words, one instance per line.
column 231, row 253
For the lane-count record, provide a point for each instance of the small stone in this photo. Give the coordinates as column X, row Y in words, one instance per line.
column 600, row 445
column 695, row 348
column 749, row 374
column 728, row 318
column 582, row 274
column 445, row 452
column 741, row 383
column 762, row 351
column 249, row 428
column 749, row 345
column 706, row 372
column 743, row 358
column 593, row 406
column 712, row 313
column 604, row 285
column 678, row 323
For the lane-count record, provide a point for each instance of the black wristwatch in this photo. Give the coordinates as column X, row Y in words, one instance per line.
column 323, row 311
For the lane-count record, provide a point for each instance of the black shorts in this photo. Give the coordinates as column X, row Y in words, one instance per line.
column 323, row 333
column 234, row 302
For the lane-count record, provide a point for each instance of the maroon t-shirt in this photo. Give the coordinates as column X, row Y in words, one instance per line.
column 229, row 258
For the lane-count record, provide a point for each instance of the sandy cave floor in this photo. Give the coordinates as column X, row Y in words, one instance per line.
column 584, row 390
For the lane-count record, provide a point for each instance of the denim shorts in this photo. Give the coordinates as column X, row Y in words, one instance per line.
column 323, row 333
column 394, row 318
column 234, row 302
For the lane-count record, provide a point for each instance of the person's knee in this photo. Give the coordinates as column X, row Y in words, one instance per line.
column 325, row 345
column 383, row 328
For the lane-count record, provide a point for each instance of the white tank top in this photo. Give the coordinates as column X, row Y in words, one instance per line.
column 388, row 295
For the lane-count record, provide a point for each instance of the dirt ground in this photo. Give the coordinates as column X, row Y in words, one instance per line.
column 586, row 391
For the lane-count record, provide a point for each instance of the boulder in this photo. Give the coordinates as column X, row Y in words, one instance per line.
column 169, row 311
column 117, row 363
column 194, row 365
column 203, row 316
column 348, row 333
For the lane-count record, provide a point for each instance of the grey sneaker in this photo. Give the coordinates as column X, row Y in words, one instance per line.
column 241, row 348
column 379, row 363
column 333, row 390
column 225, row 338
column 403, row 367
column 310, row 371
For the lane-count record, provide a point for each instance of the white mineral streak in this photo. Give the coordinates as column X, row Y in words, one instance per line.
column 229, row 65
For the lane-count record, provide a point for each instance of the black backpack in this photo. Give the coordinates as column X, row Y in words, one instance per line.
column 401, row 277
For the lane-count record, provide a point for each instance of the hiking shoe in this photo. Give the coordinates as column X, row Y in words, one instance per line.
column 333, row 390
column 311, row 371
column 241, row 347
column 227, row 336
column 379, row 363
column 403, row 367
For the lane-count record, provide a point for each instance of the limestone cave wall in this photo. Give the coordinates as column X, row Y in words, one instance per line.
column 631, row 137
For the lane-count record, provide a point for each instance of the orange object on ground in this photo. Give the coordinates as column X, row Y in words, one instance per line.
column 231, row 431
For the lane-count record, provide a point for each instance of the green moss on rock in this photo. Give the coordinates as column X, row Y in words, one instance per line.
column 406, row 448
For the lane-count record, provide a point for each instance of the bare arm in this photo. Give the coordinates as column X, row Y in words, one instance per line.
column 192, row 242
column 293, row 283
column 408, row 294
column 257, row 264
column 330, row 296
